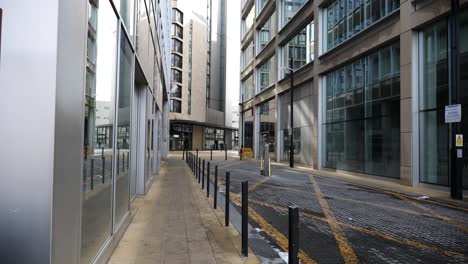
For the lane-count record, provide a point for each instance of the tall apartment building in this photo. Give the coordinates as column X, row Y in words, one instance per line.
column 198, row 99
column 84, row 125
column 371, row 80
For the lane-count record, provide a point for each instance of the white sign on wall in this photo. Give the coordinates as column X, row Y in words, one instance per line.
column 453, row 113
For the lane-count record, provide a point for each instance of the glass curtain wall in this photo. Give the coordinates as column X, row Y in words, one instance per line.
column 434, row 95
column 248, row 88
column 214, row 138
column 302, row 127
column 96, row 223
column 289, row 8
column 362, row 115
column 299, row 50
column 248, row 129
column 123, row 130
column 267, row 127
column 345, row 18
column 266, row 32
column 266, row 74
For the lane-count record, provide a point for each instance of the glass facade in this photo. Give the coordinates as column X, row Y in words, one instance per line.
column 299, row 50
column 175, row 106
column 214, row 138
column 302, row 127
column 267, row 127
column 248, row 129
column 434, row 93
column 108, row 179
column 289, row 8
column 97, row 184
column 266, row 32
column 344, row 18
column 248, row 88
column 361, row 117
column 266, row 74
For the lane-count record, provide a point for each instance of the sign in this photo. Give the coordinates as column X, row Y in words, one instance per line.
column 453, row 113
column 459, row 153
column 459, row 140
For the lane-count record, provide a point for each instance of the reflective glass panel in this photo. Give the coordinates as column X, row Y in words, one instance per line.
column 96, row 222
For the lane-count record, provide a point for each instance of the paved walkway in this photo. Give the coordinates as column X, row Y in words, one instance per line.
column 175, row 223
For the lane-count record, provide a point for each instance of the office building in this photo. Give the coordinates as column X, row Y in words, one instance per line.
column 200, row 104
column 371, row 80
column 85, row 123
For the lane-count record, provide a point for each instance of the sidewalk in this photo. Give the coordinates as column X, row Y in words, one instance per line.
column 176, row 223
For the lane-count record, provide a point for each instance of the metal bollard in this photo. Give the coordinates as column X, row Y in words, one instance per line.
column 123, row 162
column 92, row 173
column 225, row 154
column 197, row 153
column 199, row 170
column 211, row 154
column 293, row 234
column 215, row 191
column 183, row 154
column 245, row 218
column 208, row 180
column 226, row 200
column 103, row 169
column 240, row 154
column 203, row 176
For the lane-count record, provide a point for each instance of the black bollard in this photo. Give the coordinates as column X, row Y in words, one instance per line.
column 183, row 154
column 123, row 162
column 197, row 153
column 240, row 154
column 203, row 176
column 211, row 154
column 215, row 191
column 92, row 173
column 245, row 218
column 208, row 180
column 225, row 153
column 226, row 200
column 293, row 234
column 103, row 169
column 199, row 170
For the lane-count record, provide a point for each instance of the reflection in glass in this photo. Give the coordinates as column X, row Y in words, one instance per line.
column 299, row 50
column 346, row 18
column 302, row 127
column 265, row 33
column 122, row 194
column 289, row 8
column 126, row 11
column 98, row 130
column 266, row 73
column 248, row 88
column 247, row 22
column 247, row 55
column 362, row 115
column 267, row 127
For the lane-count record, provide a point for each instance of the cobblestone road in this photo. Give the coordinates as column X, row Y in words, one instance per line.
column 344, row 222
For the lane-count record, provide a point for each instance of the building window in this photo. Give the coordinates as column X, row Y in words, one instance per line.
column 434, row 91
column 248, row 88
column 177, row 16
column 176, row 91
column 266, row 74
column 247, row 22
column 299, row 50
column 303, row 125
column 176, row 76
column 176, row 60
column 175, row 106
column 266, row 32
column 260, row 4
column 248, row 129
column 289, row 8
column 177, row 45
column 361, row 117
column 344, row 18
column 177, row 31
column 247, row 55
column 267, row 127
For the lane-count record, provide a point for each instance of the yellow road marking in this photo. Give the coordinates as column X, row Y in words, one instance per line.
column 345, row 248
column 279, row 238
column 368, row 231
